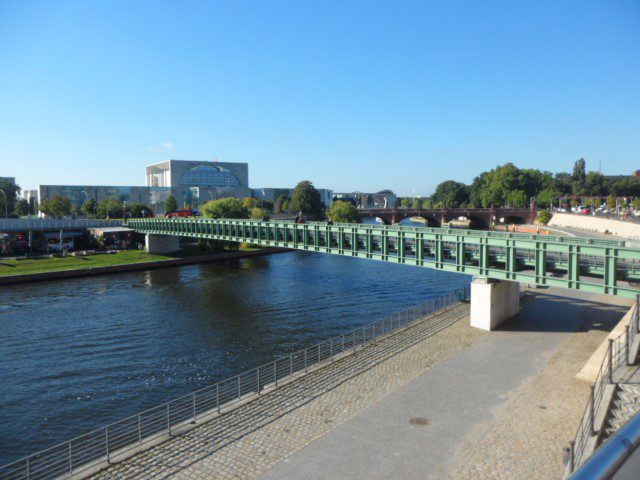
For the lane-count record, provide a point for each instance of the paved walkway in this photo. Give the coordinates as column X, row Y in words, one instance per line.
column 502, row 408
column 441, row 400
column 250, row 439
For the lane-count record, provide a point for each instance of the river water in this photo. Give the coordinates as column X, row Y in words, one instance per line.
column 80, row 353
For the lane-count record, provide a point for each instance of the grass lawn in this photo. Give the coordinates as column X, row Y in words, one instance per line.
column 20, row 267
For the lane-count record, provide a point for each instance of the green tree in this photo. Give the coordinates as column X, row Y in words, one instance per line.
column 611, row 202
column 57, row 206
column 286, row 205
column 22, row 208
column 344, row 212
column 138, row 210
column 579, row 177
column 451, row 194
column 250, row 202
column 90, row 208
column 170, row 204
column 278, row 206
column 427, row 204
column 596, row 184
column 405, row 202
column 224, row 208
column 110, row 208
column 546, row 198
column 416, row 204
column 544, row 216
column 517, row 199
column 306, row 199
column 491, row 188
column 257, row 213
column 627, row 187
column 10, row 197
column 562, row 182
column 636, row 204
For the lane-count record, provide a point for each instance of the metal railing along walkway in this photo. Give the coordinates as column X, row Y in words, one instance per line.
column 94, row 450
column 581, row 264
column 617, row 355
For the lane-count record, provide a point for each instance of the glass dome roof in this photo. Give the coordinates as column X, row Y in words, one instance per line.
column 209, row 176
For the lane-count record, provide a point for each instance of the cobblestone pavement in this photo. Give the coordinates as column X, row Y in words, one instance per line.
column 525, row 437
column 250, row 439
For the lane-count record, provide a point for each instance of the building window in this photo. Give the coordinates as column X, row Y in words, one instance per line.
column 209, row 176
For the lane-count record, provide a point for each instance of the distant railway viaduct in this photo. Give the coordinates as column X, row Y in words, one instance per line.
column 437, row 217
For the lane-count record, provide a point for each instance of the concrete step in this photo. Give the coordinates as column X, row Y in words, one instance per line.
column 625, row 405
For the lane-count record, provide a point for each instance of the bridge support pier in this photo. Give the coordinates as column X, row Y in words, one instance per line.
column 161, row 243
column 493, row 302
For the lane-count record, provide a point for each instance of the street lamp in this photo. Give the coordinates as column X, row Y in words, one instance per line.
column 6, row 204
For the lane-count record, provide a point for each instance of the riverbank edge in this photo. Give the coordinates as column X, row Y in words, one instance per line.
column 130, row 267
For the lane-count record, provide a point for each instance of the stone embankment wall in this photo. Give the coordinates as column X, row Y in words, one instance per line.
column 590, row 370
column 595, row 224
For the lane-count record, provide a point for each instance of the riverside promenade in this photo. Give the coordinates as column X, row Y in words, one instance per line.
column 438, row 400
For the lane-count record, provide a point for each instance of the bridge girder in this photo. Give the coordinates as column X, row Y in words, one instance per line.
column 593, row 265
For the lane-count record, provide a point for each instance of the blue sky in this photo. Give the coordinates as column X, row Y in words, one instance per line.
column 351, row 95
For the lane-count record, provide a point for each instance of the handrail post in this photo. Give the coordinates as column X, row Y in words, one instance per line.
column 637, row 315
column 291, row 364
column 70, row 459
column 610, row 353
column 626, row 344
column 592, row 413
column 331, row 350
column 194, row 406
column 106, row 437
column 139, row 430
column 305, row 360
column 218, row 397
column 258, row 379
column 168, row 419
column 572, row 458
column 275, row 374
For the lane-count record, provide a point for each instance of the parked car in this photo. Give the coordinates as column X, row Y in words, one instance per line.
column 183, row 213
column 586, row 211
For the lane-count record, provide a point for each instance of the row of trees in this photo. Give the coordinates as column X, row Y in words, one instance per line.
column 510, row 186
column 106, row 208
column 306, row 200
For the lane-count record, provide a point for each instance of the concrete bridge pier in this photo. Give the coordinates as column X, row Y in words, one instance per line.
column 161, row 243
column 493, row 302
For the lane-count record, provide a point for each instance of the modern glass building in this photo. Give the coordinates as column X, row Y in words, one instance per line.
column 78, row 194
column 196, row 182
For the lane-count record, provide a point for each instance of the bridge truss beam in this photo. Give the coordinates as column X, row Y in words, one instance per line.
column 604, row 267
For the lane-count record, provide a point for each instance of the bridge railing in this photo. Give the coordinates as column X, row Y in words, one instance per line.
column 26, row 224
column 575, row 264
column 116, row 441
column 486, row 233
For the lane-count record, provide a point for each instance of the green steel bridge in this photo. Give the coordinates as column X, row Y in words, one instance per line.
column 592, row 265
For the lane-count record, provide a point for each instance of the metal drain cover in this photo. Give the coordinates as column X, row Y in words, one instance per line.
column 419, row 422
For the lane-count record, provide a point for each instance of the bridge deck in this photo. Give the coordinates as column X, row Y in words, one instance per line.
column 593, row 265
